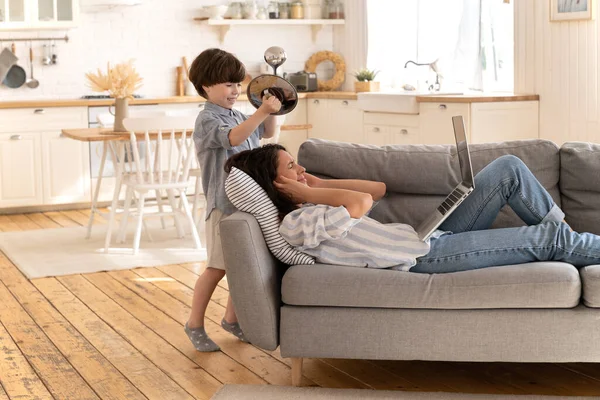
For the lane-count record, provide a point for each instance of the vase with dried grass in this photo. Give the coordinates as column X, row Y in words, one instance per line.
column 121, row 82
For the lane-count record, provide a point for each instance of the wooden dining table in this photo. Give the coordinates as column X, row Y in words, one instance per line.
column 114, row 145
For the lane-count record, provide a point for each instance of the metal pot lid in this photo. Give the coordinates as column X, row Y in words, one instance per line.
column 275, row 86
column 15, row 78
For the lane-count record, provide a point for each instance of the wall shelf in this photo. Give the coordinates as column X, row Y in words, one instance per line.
column 224, row 25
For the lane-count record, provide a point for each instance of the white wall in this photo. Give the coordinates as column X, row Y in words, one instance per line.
column 558, row 61
column 156, row 34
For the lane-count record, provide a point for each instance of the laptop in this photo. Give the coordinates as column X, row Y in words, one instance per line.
column 462, row 190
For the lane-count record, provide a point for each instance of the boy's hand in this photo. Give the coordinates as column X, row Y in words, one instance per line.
column 270, row 105
column 296, row 190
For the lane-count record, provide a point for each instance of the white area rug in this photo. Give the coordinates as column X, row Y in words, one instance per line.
column 268, row 392
column 66, row 251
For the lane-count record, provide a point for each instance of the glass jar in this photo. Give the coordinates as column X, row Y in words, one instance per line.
column 336, row 10
column 326, row 6
column 273, row 10
column 284, row 10
column 297, row 10
column 235, row 10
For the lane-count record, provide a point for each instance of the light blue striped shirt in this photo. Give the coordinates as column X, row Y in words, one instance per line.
column 211, row 137
column 333, row 237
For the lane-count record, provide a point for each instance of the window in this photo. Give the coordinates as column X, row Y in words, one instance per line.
column 471, row 40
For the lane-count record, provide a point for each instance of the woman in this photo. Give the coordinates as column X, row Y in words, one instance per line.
column 327, row 219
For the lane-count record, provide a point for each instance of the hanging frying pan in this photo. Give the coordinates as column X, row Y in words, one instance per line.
column 16, row 76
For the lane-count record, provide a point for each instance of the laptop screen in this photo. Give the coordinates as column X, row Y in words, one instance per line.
column 463, row 150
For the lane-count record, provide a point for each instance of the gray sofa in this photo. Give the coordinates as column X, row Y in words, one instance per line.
column 538, row 312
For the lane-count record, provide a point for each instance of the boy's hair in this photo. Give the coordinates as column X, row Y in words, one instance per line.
column 261, row 165
column 214, row 66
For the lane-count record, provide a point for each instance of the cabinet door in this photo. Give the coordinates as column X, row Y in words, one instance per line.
column 20, row 170
column 53, row 13
column 318, row 117
column 12, row 14
column 346, row 121
column 435, row 121
column 293, row 139
column 500, row 121
column 406, row 135
column 66, row 169
column 378, row 135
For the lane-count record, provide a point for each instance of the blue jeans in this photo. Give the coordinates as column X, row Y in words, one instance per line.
column 472, row 245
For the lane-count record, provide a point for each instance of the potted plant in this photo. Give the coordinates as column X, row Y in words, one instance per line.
column 365, row 80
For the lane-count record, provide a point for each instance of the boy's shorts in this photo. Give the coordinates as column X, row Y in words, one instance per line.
column 213, row 240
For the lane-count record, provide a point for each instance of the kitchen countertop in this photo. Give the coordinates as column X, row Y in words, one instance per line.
column 464, row 98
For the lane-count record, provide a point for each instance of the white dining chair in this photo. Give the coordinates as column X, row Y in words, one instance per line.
column 165, row 168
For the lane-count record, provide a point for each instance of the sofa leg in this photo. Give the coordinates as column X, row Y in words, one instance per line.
column 296, row 371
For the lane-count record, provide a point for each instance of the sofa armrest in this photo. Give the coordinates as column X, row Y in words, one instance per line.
column 254, row 278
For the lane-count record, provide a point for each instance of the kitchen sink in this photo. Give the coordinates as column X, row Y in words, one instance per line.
column 394, row 102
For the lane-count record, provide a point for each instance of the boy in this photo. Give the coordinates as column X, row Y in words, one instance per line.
column 219, row 133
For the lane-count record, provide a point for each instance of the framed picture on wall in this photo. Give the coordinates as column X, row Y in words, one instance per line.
column 568, row 10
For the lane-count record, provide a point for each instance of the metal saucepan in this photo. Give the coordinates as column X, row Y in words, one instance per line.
column 272, row 85
column 265, row 86
column 16, row 76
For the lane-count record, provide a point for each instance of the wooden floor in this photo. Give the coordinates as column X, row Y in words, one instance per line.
column 119, row 335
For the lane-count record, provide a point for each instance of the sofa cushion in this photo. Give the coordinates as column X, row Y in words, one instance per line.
column 580, row 185
column 590, row 281
column 418, row 177
column 534, row 285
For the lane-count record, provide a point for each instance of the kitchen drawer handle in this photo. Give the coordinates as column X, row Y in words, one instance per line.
column 345, row 102
column 404, row 131
column 442, row 106
column 316, row 102
column 62, row 135
column 376, row 129
column 16, row 137
column 39, row 111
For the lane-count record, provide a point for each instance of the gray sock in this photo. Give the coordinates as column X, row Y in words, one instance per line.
column 200, row 339
column 234, row 329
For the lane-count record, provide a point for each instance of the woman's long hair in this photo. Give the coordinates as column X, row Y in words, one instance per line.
column 261, row 165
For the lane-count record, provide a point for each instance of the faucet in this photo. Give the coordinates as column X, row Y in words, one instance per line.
column 434, row 67
column 412, row 62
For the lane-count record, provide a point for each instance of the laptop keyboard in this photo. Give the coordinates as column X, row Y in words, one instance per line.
column 451, row 200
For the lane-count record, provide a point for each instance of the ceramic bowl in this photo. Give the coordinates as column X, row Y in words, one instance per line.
column 216, row 12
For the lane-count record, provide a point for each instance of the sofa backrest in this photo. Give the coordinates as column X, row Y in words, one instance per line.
column 418, row 177
column 580, row 185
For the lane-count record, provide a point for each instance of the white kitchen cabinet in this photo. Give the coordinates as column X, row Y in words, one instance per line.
column 20, row 169
column 292, row 140
column 435, row 121
column 500, row 121
column 38, row 14
column 387, row 128
column 38, row 166
column 484, row 122
column 379, row 135
column 335, row 119
column 65, row 169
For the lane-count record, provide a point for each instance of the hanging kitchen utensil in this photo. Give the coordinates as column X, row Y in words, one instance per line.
column 16, row 76
column 46, row 60
column 7, row 60
column 53, row 57
column 273, row 85
column 31, row 82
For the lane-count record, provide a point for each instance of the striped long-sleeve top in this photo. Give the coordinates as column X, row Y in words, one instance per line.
column 333, row 237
